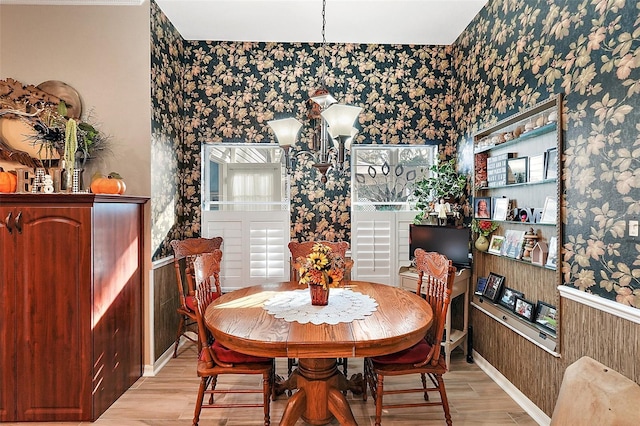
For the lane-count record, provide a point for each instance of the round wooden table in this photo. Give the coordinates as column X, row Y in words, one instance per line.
column 239, row 322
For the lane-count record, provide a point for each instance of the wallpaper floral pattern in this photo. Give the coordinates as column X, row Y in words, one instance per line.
column 514, row 54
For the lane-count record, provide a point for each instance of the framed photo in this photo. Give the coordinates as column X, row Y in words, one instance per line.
column 547, row 316
column 551, row 164
column 512, row 246
column 536, row 168
column 494, row 283
column 481, row 285
column 496, row 244
column 552, row 257
column 517, row 170
column 508, row 298
column 549, row 211
column 500, row 208
column 524, row 308
column 482, row 208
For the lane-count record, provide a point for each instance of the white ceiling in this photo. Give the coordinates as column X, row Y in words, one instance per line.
column 422, row 22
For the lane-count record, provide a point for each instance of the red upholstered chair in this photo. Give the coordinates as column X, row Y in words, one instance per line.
column 188, row 249
column 302, row 249
column 216, row 360
column 435, row 277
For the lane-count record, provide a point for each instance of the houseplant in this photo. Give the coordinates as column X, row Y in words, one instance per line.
column 320, row 270
column 443, row 182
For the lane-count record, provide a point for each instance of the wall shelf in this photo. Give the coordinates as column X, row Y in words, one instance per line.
column 530, row 331
column 495, row 164
column 547, row 128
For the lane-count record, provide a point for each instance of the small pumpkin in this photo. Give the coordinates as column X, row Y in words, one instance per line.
column 112, row 184
column 8, row 181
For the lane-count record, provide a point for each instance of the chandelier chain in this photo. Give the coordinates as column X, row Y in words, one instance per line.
column 324, row 44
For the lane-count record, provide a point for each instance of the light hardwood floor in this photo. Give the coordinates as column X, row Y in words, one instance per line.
column 168, row 399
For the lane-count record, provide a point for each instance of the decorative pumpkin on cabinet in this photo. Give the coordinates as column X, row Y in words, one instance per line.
column 8, row 181
column 112, row 184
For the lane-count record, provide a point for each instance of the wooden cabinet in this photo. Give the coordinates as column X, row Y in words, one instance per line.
column 70, row 304
column 454, row 337
column 517, row 164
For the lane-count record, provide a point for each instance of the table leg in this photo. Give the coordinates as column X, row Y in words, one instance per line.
column 319, row 397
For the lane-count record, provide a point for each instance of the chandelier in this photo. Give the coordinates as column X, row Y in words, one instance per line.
column 336, row 126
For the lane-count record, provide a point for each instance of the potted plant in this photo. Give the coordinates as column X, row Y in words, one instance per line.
column 442, row 183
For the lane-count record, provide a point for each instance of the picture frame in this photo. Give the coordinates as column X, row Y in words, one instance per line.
column 552, row 256
column 500, row 208
column 524, row 308
column 546, row 316
column 537, row 168
column 496, row 244
column 481, row 284
column 551, row 164
column 482, row 208
column 508, row 298
column 549, row 212
column 517, row 170
column 512, row 246
column 494, row 283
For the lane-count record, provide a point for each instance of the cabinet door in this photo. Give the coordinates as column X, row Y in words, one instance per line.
column 7, row 323
column 53, row 321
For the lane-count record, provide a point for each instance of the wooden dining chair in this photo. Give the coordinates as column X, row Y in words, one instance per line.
column 302, row 249
column 216, row 360
column 435, row 276
column 188, row 249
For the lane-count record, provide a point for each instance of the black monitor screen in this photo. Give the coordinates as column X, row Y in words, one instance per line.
column 450, row 241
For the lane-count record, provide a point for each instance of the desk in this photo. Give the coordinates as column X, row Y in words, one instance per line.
column 238, row 321
column 461, row 285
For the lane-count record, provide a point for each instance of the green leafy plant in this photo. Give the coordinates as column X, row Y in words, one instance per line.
column 443, row 182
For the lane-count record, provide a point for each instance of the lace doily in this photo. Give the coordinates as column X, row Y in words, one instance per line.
column 344, row 305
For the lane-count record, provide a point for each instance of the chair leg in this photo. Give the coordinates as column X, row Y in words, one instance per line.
column 379, row 392
column 423, row 377
column 204, row 382
column 180, row 331
column 266, row 396
column 443, row 397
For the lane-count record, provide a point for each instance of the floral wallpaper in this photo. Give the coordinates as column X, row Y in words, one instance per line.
column 516, row 53
column 167, row 168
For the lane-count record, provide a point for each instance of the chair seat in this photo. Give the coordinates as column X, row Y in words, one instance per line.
column 412, row 355
column 230, row 356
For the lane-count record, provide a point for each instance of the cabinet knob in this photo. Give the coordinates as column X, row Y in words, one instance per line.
column 7, row 223
column 17, row 222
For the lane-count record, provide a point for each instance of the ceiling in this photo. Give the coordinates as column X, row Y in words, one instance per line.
column 421, row 22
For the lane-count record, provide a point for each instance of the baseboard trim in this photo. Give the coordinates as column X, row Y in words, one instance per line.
column 527, row 405
column 152, row 370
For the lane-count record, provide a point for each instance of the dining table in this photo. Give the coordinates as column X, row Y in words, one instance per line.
column 362, row 319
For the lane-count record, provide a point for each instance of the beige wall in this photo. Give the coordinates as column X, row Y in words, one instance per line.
column 104, row 53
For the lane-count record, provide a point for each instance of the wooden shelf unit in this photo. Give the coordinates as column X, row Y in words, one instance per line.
column 538, row 283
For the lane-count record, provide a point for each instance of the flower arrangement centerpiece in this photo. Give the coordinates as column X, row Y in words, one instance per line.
column 483, row 227
column 320, row 270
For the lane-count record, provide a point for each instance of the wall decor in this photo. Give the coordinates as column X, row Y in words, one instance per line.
column 494, row 283
column 524, row 308
column 546, row 316
column 500, row 208
column 551, row 164
column 517, row 170
column 495, row 246
column 508, row 298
